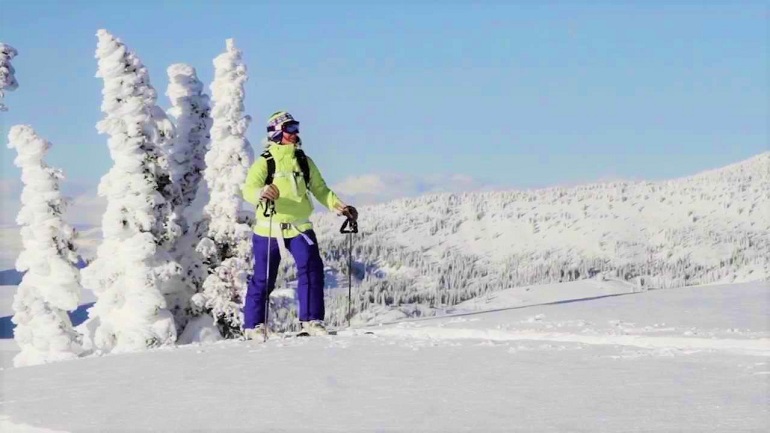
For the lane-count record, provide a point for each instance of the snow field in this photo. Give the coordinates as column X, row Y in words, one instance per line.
column 689, row 359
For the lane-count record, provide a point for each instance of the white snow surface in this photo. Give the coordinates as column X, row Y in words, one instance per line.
column 599, row 358
column 8, row 426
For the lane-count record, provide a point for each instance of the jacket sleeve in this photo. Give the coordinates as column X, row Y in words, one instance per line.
column 255, row 180
column 322, row 192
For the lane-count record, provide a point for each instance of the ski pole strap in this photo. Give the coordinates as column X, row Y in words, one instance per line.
column 349, row 226
column 269, row 207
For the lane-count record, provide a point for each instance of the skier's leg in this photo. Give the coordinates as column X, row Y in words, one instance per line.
column 254, row 304
column 310, row 277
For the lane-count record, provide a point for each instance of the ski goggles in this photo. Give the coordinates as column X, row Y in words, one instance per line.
column 290, row 127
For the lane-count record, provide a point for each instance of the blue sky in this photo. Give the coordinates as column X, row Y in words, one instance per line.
column 512, row 94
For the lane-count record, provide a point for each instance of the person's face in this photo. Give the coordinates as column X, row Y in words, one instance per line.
column 290, row 133
column 288, row 137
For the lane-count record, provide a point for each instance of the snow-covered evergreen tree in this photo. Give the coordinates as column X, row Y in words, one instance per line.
column 227, row 246
column 133, row 272
column 51, row 285
column 7, row 78
column 192, row 112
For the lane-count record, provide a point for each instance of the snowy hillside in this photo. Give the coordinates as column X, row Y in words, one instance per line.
column 440, row 250
column 603, row 360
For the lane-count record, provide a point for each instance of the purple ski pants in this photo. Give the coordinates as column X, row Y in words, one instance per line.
column 310, row 273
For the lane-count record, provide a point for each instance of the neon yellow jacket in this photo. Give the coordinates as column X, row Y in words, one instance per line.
column 294, row 204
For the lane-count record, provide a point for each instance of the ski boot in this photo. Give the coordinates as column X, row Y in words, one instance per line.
column 314, row 328
column 257, row 333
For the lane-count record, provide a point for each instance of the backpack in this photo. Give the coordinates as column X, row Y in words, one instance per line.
column 301, row 160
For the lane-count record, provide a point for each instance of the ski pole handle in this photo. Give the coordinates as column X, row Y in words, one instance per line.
column 349, row 226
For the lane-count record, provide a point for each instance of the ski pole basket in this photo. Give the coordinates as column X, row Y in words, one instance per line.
column 349, row 226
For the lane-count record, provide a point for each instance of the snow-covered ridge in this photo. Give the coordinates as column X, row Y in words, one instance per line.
column 442, row 249
column 758, row 166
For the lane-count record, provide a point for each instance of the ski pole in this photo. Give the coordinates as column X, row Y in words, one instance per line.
column 349, row 226
column 269, row 211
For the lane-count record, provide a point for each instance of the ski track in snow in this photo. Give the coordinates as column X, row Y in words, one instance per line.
column 693, row 325
column 758, row 347
column 7, row 426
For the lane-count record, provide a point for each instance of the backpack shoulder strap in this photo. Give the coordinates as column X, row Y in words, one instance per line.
column 270, row 166
column 303, row 165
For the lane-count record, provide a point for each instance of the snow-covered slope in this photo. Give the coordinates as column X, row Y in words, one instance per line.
column 601, row 360
column 439, row 250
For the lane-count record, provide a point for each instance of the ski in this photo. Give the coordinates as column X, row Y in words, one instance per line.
column 301, row 334
column 304, row 334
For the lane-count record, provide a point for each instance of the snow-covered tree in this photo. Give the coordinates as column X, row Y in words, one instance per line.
column 51, row 285
column 191, row 111
column 7, row 78
column 227, row 246
column 133, row 274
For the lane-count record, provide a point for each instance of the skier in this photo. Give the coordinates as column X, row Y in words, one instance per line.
column 280, row 181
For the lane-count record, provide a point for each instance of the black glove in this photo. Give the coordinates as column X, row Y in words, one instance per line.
column 350, row 212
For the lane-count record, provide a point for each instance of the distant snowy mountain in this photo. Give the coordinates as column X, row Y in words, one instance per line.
column 425, row 254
